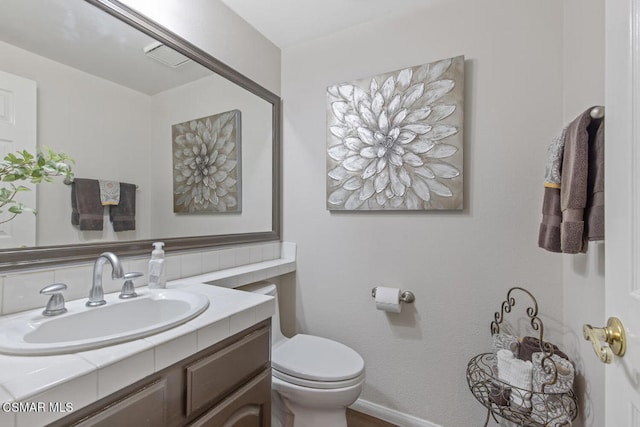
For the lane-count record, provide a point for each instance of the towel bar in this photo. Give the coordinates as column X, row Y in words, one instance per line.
column 68, row 181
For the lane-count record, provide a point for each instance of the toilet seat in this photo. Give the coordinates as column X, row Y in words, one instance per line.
column 326, row 385
column 312, row 361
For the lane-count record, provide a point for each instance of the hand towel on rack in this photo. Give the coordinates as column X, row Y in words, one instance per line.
column 86, row 208
column 549, row 234
column 123, row 215
column 109, row 192
column 548, row 405
column 576, row 191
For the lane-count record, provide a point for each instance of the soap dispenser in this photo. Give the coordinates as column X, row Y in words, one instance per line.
column 157, row 278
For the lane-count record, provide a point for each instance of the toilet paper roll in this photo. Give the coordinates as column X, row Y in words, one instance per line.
column 388, row 299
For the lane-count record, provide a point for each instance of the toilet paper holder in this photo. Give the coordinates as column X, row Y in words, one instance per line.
column 405, row 296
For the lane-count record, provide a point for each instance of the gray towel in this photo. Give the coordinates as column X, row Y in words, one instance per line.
column 86, row 208
column 579, row 175
column 595, row 201
column 530, row 345
column 549, row 234
column 123, row 215
column 550, row 402
column 573, row 210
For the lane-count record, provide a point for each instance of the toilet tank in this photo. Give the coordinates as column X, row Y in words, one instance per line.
column 268, row 288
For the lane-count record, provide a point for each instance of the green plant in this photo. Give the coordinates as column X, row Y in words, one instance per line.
column 26, row 167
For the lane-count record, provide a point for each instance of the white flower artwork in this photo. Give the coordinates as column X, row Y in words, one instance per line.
column 394, row 141
column 206, row 164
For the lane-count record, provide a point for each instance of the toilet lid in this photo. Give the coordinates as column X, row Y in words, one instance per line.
column 318, row 359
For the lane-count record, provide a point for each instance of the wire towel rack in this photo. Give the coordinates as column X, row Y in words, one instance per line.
column 489, row 390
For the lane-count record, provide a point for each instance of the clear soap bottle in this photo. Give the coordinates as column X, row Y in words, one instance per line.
column 157, row 277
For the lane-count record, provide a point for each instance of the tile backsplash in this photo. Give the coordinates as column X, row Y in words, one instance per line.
column 20, row 291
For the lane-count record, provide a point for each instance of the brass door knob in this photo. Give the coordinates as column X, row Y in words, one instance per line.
column 612, row 334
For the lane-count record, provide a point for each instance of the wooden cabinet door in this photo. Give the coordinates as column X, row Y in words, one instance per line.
column 250, row 406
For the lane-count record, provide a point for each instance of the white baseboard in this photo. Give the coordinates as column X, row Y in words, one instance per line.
column 390, row 415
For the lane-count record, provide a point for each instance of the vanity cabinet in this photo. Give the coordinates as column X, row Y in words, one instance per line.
column 227, row 384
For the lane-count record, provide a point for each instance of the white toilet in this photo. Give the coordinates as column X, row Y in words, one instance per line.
column 314, row 378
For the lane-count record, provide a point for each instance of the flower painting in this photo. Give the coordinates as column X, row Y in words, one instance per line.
column 394, row 141
column 206, row 164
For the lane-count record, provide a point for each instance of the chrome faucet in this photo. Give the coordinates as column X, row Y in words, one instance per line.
column 96, row 294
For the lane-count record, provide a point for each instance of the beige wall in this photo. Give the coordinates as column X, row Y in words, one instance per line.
column 459, row 264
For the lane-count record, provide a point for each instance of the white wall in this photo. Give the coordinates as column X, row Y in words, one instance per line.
column 583, row 274
column 213, row 27
column 70, row 120
column 459, row 264
column 204, row 97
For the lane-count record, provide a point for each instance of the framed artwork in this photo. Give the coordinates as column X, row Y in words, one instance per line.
column 395, row 140
column 206, row 164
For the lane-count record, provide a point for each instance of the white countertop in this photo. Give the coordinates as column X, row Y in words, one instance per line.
column 30, row 386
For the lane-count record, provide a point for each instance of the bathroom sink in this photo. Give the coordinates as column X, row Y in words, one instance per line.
column 85, row 328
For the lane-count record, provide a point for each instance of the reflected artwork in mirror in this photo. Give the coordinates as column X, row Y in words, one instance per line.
column 111, row 87
column 206, row 164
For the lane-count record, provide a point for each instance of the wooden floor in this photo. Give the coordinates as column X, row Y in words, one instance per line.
column 358, row 419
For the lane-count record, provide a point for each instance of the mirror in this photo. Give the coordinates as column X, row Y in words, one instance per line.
column 114, row 110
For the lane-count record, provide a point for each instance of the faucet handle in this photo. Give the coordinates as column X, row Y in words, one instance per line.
column 128, row 290
column 55, row 305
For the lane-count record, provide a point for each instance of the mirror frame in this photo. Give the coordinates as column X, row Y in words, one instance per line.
column 45, row 256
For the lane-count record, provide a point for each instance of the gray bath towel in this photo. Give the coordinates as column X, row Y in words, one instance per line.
column 579, row 175
column 595, row 199
column 123, row 215
column 573, row 211
column 86, row 208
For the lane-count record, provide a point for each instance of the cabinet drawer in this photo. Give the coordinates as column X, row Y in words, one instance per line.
column 211, row 379
column 248, row 407
column 144, row 408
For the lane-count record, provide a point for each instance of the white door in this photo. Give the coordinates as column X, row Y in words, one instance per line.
column 18, row 132
column 622, row 226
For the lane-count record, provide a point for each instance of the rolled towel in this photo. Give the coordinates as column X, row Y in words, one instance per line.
column 504, row 363
column 499, row 394
column 501, row 341
column 530, row 345
column 516, row 373
column 549, row 406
